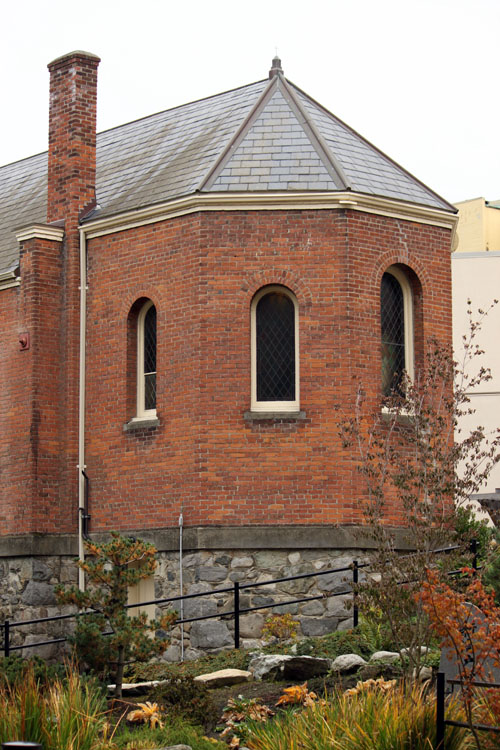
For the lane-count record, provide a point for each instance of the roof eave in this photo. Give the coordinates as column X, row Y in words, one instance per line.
column 265, row 201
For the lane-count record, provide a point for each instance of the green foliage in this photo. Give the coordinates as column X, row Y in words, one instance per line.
column 113, row 567
column 61, row 715
column 402, row 719
column 234, row 659
column 368, row 637
column 491, row 572
column 468, row 527
column 191, row 699
column 13, row 669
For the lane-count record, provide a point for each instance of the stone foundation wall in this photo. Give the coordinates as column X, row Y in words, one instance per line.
column 209, row 571
column 211, row 561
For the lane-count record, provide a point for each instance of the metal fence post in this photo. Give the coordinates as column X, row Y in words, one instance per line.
column 355, row 613
column 6, row 636
column 440, row 711
column 473, row 551
column 236, row 614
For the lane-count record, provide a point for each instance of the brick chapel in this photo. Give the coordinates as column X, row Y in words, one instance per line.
column 184, row 300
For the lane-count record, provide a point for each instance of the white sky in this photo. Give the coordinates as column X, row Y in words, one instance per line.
column 415, row 77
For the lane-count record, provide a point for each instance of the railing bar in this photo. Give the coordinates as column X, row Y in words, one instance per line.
column 295, row 578
column 464, row 725
column 176, row 598
column 35, row 645
column 479, row 683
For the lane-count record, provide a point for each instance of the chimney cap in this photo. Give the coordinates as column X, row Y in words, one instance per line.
column 275, row 67
column 71, row 55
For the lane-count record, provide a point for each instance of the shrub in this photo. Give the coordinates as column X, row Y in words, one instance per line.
column 176, row 731
column 189, row 698
column 14, row 668
column 280, row 627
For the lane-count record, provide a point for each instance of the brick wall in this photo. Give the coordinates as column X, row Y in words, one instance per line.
column 201, row 271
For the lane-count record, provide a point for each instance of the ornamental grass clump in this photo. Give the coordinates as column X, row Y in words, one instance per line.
column 69, row 714
column 373, row 718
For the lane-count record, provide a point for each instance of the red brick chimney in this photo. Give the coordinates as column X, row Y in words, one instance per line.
column 72, row 137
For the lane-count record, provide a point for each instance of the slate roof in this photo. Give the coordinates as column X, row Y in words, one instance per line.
column 266, row 136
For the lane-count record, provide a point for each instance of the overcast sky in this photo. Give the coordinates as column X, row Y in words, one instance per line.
column 417, row 78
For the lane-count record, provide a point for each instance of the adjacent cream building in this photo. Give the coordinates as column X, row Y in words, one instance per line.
column 476, row 276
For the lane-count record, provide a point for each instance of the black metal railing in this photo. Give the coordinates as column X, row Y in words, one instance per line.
column 350, row 589
column 442, row 722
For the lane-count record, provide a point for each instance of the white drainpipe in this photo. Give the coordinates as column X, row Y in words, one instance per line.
column 81, row 406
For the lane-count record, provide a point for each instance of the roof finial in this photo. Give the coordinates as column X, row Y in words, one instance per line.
column 275, row 66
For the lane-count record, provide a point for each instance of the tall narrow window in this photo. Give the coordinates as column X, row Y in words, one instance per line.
column 146, row 361
column 396, row 313
column 275, row 371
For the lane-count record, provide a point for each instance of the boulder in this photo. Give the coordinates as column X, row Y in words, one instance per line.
column 137, row 688
column 348, row 663
column 423, row 650
column 224, row 677
column 286, row 667
column 389, row 657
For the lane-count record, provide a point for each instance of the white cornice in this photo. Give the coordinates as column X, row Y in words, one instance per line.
column 269, row 202
column 9, row 279
column 40, row 232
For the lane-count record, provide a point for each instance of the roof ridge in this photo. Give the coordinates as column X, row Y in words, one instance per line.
column 207, row 181
column 333, row 166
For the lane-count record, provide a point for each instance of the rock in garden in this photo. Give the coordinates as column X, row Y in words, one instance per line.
column 137, row 688
column 348, row 663
column 389, row 657
column 283, row 666
column 224, row 677
column 406, row 651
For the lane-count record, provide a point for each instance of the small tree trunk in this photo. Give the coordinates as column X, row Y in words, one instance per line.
column 120, row 666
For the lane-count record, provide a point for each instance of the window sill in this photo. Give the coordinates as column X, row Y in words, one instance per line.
column 401, row 416
column 139, row 423
column 275, row 416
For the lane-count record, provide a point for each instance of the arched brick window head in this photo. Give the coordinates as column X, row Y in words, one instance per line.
column 275, row 366
column 396, row 316
column 146, row 361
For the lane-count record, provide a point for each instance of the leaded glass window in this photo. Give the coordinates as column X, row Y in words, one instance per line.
column 394, row 335
column 146, row 361
column 150, row 359
column 275, row 344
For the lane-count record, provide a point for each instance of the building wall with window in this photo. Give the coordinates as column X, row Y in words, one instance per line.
column 209, row 455
column 188, row 305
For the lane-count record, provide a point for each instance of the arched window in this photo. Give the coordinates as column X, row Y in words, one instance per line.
column 275, row 347
column 396, row 314
column 146, row 361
